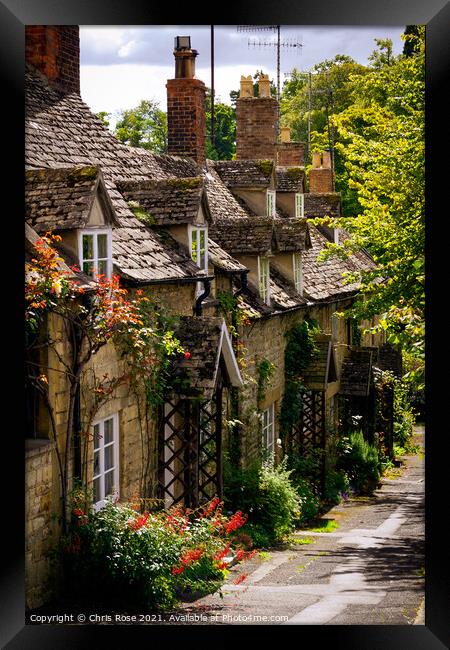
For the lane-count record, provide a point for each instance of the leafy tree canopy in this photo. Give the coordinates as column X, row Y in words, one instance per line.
column 381, row 145
column 144, row 126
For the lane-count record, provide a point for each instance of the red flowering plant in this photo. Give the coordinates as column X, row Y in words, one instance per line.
column 152, row 559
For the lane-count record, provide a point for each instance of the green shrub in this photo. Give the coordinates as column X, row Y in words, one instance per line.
column 310, row 500
column 269, row 497
column 120, row 557
column 337, row 486
column 361, row 463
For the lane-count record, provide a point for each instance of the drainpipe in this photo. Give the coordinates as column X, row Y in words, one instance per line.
column 198, row 303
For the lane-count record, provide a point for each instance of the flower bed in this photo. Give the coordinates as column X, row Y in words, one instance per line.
column 130, row 559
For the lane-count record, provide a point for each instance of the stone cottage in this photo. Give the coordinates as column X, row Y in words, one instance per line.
column 225, row 246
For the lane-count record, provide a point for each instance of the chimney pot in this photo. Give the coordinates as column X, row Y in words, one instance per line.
column 285, row 133
column 264, row 85
column 316, row 159
column 246, row 89
column 182, row 43
column 326, row 159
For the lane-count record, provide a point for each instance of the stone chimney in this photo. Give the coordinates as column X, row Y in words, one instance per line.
column 186, row 120
column 321, row 174
column 256, row 121
column 289, row 154
column 54, row 50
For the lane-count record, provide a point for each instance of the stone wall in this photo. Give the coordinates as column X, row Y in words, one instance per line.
column 40, row 529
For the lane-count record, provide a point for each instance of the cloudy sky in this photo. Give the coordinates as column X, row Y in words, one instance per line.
column 122, row 65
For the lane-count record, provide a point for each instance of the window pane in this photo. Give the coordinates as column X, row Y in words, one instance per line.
column 109, row 457
column 102, row 245
column 97, row 493
column 109, row 430
column 102, row 267
column 88, row 268
column 109, row 483
column 96, row 436
column 202, row 249
column 96, row 463
column 194, row 244
column 88, row 247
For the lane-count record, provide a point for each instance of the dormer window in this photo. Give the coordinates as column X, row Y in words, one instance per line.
column 264, row 279
column 299, row 205
column 95, row 252
column 270, row 203
column 198, row 239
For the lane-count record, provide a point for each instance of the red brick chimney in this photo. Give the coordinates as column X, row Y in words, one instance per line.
column 321, row 174
column 290, row 154
column 186, row 120
column 55, row 51
column 256, row 121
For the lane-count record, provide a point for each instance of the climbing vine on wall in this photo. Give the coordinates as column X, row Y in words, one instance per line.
column 300, row 350
column 264, row 371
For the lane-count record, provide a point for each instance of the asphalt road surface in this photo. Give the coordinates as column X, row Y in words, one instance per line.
column 369, row 570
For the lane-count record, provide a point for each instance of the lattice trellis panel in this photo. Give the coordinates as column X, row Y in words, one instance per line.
column 309, row 433
column 190, row 449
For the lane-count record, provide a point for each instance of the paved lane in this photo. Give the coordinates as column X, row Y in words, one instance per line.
column 368, row 571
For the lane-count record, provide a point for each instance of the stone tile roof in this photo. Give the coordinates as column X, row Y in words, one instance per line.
column 356, row 372
column 222, row 260
column 291, row 235
column 322, row 368
column 282, row 292
column 61, row 131
column 283, row 296
column 244, row 173
column 169, row 202
column 206, row 340
column 324, row 281
column 321, row 205
column 290, row 179
column 243, row 235
column 222, row 203
column 62, row 198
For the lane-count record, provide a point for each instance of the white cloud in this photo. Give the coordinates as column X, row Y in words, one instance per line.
column 122, row 65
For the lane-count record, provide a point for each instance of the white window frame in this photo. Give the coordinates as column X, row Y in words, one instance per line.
column 194, row 231
column 264, row 279
column 94, row 232
column 101, row 448
column 268, row 430
column 298, row 272
column 299, row 205
column 271, row 203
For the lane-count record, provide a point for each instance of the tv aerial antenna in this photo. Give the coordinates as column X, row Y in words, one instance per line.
column 293, row 43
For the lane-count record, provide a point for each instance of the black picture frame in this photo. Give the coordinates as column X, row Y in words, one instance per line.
column 14, row 15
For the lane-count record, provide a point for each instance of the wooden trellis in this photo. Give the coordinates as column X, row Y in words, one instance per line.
column 309, row 433
column 190, row 450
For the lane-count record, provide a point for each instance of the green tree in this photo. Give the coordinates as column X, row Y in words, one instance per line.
column 224, row 146
column 103, row 116
column 381, row 142
column 330, row 93
column 144, row 126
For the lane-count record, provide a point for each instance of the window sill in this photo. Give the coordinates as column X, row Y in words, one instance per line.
column 35, row 446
